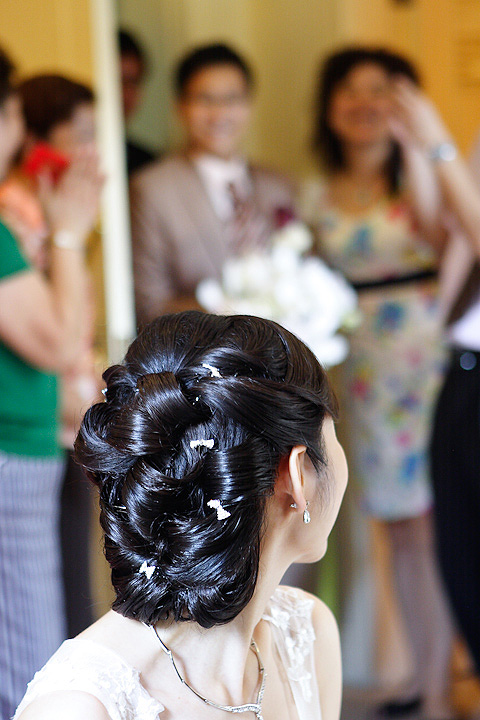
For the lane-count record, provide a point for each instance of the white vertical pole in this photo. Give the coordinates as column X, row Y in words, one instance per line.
column 118, row 276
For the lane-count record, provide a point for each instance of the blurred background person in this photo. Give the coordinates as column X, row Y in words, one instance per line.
column 194, row 209
column 60, row 121
column 133, row 68
column 59, row 117
column 41, row 333
column 456, row 433
column 377, row 219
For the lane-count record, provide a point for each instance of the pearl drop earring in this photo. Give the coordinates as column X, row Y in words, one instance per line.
column 306, row 514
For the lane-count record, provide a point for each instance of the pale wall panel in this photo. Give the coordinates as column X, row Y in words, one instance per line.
column 290, row 39
column 48, row 36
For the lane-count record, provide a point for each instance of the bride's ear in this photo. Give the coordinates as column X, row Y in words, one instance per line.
column 291, row 479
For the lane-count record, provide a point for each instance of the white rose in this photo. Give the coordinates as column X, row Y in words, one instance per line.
column 286, row 293
column 254, row 306
column 257, row 270
column 331, row 351
column 329, row 290
column 210, row 295
column 284, row 259
column 295, row 235
column 233, row 277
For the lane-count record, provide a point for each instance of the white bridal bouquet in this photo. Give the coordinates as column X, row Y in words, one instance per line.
column 284, row 284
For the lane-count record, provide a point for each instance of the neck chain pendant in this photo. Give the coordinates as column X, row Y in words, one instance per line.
column 255, row 707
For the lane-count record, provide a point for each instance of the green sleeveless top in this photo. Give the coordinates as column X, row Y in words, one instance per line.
column 28, row 396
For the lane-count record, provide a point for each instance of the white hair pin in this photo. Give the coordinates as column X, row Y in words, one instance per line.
column 215, row 372
column 147, row 569
column 202, row 443
column 222, row 514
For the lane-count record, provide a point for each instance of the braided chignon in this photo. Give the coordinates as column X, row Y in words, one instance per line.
column 157, row 482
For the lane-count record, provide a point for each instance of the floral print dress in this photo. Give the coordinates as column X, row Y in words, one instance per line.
column 390, row 379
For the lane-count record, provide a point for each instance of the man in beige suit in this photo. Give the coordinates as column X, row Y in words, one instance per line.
column 191, row 211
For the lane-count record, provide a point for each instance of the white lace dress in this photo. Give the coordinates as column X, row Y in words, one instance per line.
column 83, row 665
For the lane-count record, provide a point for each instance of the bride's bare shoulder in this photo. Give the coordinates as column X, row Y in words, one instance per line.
column 129, row 639
column 65, row 705
column 105, row 626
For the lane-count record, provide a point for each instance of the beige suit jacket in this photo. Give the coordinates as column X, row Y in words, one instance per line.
column 178, row 239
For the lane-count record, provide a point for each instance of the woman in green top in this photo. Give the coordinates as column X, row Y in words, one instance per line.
column 40, row 333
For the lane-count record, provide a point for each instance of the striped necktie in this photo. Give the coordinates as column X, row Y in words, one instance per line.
column 249, row 227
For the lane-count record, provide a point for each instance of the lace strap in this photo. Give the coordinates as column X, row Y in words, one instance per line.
column 290, row 614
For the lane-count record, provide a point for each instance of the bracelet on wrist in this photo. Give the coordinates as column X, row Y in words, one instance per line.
column 442, row 152
column 66, row 240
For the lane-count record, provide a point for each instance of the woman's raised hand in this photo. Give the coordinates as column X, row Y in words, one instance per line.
column 72, row 205
column 415, row 118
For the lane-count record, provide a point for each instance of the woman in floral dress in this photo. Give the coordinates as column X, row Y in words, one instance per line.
column 376, row 218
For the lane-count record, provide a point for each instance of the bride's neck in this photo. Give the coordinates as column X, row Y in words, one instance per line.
column 220, row 658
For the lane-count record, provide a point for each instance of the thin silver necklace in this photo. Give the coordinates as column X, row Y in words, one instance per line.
column 255, row 707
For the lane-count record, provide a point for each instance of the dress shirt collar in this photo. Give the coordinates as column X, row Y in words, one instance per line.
column 217, row 175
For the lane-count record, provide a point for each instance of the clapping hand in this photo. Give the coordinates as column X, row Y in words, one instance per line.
column 72, row 205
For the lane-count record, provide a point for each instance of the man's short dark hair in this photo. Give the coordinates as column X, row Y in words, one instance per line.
column 7, row 70
column 129, row 46
column 208, row 56
column 49, row 100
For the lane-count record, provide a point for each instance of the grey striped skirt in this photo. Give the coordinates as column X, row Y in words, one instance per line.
column 32, row 623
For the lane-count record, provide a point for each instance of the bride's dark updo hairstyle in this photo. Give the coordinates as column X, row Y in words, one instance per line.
column 272, row 394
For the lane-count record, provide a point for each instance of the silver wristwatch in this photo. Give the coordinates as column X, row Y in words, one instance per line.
column 443, row 152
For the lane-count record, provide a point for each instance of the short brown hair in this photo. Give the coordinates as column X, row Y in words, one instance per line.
column 49, row 100
column 7, row 70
